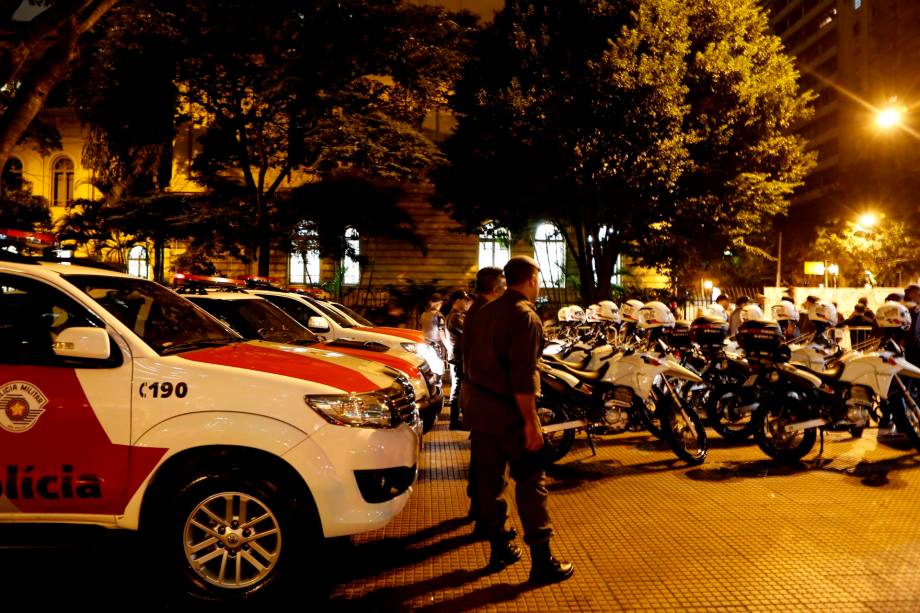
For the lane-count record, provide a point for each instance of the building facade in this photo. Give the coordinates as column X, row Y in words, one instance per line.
column 860, row 57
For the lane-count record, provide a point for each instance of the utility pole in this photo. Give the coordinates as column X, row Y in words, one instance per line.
column 779, row 260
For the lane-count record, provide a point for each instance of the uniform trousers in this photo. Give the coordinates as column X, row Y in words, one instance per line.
column 491, row 455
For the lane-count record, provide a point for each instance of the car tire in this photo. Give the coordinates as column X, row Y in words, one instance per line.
column 234, row 538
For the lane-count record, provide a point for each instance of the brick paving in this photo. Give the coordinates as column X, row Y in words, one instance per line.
column 648, row 533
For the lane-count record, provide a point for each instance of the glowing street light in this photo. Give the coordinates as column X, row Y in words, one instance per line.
column 888, row 118
column 867, row 220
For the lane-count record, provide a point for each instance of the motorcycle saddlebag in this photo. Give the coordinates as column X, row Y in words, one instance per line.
column 709, row 332
column 678, row 337
column 760, row 338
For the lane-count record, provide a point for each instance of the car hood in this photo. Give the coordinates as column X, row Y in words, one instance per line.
column 349, row 373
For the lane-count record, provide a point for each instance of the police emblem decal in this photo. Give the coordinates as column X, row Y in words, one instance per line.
column 21, row 404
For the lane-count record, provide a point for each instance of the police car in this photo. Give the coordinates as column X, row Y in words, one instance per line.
column 327, row 322
column 253, row 318
column 124, row 405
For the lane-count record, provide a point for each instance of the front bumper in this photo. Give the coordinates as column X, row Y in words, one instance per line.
column 336, row 458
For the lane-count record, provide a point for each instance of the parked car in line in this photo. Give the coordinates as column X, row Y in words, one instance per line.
column 330, row 324
column 124, row 405
column 255, row 318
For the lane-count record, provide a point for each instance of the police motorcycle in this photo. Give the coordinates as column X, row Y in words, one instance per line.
column 799, row 402
column 598, row 333
column 721, row 396
column 817, row 350
column 628, row 391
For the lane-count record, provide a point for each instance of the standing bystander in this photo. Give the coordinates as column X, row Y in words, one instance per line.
column 912, row 343
column 460, row 303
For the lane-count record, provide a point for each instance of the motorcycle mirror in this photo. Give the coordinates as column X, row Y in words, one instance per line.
column 783, row 353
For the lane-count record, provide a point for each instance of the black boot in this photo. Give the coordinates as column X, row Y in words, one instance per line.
column 504, row 553
column 547, row 569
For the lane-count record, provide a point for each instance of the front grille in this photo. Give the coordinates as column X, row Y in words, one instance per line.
column 401, row 399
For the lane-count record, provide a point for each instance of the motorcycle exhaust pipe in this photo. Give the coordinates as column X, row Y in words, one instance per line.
column 805, row 425
column 566, row 425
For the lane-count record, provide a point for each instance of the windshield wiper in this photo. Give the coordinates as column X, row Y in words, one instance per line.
column 199, row 344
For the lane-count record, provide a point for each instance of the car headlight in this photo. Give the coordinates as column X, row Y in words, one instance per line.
column 427, row 352
column 356, row 410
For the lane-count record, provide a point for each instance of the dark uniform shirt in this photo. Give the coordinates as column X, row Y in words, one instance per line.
column 502, row 341
column 454, row 325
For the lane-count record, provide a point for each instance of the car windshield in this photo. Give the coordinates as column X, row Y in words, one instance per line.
column 164, row 320
column 351, row 313
column 257, row 319
column 332, row 314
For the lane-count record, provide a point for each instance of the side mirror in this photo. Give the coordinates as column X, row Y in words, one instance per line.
column 92, row 343
column 318, row 324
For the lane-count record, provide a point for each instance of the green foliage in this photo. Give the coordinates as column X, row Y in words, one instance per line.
column 20, row 210
column 651, row 128
column 884, row 255
column 312, row 90
column 123, row 87
column 90, row 225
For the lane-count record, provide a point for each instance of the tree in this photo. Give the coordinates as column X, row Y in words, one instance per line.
column 609, row 119
column 38, row 39
column 312, row 90
column 883, row 255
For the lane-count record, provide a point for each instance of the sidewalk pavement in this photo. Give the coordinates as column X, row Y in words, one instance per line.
column 648, row 533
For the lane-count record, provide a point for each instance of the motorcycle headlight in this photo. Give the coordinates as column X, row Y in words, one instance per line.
column 356, row 410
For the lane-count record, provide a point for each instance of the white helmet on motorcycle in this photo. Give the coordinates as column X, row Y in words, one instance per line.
column 751, row 311
column 893, row 315
column 716, row 310
column 630, row 310
column 655, row 315
column 562, row 315
column 576, row 313
column 591, row 313
column 823, row 312
column 785, row 311
column 608, row 311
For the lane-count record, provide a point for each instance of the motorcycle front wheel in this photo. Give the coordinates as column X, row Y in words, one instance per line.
column 772, row 420
column 906, row 417
column 724, row 407
column 555, row 444
column 686, row 434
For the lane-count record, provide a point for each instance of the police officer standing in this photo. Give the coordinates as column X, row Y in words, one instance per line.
column 506, row 338
column 490, row 285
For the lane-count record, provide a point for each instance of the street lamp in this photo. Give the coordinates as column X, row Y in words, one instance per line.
column 867, row 220
column 889, row 117
column 707, row 290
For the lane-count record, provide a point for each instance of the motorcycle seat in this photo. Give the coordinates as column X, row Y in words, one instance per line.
column 585, row 375
column 579, row 364
column 827, row 376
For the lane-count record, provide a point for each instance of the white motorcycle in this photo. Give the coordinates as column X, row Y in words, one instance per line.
column 798, row 401
column 628, row 391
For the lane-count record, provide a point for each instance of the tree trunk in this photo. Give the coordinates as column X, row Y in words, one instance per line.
column 34, row 90
column 159, row 256
column 265, row 243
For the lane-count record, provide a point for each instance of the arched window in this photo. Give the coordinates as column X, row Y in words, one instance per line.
column 12, row 175
column 139, row 262
column 549, row 252
column 353, row 249
column 305, row 263
column 494, row 246
column 62, row 182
